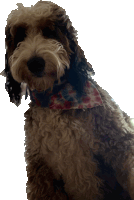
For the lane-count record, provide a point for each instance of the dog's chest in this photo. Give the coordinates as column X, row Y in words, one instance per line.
column 51, row 135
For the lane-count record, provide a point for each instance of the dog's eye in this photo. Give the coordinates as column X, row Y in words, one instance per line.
column 47, row 32
column 20, row 35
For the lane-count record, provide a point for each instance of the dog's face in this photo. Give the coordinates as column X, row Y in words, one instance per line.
column 41, row 45
column 40, row 50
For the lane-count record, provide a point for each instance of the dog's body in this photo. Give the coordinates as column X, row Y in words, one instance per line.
column 79, row 144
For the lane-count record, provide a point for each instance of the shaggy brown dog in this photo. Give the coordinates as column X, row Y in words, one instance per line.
column 79, row 144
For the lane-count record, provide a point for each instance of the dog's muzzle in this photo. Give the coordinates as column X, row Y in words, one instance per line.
column 36, row 65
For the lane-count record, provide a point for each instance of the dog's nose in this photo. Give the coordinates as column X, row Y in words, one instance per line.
column 36, row 65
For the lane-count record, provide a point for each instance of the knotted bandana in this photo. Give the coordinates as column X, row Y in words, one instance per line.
column 67, row 98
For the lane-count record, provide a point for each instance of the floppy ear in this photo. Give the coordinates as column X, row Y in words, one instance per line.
column 13, row 87
column 80, row 70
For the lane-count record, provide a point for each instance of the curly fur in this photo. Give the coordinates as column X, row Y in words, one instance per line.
column 70, row 154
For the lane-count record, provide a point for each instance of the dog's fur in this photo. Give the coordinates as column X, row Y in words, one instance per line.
column 70, row 154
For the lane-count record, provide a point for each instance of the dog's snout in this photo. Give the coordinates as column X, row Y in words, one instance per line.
column 36, row 65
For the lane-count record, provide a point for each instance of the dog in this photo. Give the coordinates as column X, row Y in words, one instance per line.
column 79, row 143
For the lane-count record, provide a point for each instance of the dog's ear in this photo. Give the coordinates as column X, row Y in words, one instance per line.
column 13, row 87
column 80, row 70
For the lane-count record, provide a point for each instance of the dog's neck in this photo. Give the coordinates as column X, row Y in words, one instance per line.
column 64, row 97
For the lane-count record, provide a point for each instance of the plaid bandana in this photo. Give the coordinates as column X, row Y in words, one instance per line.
column 67, row 98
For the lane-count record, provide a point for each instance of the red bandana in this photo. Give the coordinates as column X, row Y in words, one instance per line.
column 67, row 98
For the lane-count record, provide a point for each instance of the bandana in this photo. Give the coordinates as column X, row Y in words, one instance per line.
column 67, row 98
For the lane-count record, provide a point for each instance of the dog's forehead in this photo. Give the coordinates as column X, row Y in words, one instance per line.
column 41, row 12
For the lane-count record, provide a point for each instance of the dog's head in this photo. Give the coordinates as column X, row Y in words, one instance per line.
column 42, row 48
